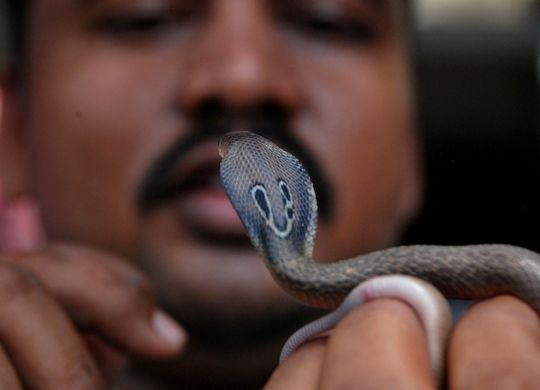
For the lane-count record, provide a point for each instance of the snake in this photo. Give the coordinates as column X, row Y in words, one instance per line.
column 274, row 197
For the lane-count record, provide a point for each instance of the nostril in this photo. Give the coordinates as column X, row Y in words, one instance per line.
column 218, row 116
column 212, row 107
column 215, row 106
column 271, row 108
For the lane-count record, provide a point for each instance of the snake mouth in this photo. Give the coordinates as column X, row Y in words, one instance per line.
column 226, row 139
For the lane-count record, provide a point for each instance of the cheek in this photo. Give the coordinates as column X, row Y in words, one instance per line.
column 360, row 128
column 89, row 151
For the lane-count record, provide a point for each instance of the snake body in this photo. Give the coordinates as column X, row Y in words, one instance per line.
column 274, row 197
column 462, row 272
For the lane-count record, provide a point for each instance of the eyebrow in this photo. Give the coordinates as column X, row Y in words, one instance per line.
column 377, row 5
column 85, row 3
column 374, row 3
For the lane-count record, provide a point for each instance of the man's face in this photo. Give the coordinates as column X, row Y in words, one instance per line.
column 112, row 85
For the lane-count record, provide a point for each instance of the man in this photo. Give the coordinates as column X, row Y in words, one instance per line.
column 111, row 115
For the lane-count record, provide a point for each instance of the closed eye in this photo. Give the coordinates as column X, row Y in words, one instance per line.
column 129, row 24
column 327, row 27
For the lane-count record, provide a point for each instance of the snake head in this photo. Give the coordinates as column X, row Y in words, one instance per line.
column 271, row 193
column 225, row 142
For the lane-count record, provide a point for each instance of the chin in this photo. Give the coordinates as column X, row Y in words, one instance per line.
column 234, row 342
column 201, row 367
column 205, row 285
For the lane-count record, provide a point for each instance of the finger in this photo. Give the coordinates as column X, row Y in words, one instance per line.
column 39, row 338
column 496, row 345
column 301, row 370
column 8, row 375
column 379, row 345
column 104, row 292
column 111, row 362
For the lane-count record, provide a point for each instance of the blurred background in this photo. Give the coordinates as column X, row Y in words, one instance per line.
column 478, row 76
column 3, row 31
column 478, row 73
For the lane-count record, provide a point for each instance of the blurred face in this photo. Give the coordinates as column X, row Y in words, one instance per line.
column 125, row 101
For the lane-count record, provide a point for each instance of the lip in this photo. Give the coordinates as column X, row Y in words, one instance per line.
column 195, row 192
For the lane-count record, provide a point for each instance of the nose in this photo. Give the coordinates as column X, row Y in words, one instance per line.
column 240, row 60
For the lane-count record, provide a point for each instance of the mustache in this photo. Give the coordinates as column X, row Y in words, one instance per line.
column 155, row 189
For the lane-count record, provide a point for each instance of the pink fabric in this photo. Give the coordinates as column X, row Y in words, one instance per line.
column 20, row 229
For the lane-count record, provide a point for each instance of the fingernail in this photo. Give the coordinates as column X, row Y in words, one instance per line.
column 168, row 329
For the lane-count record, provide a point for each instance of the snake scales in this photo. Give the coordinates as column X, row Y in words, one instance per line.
column 274, row 197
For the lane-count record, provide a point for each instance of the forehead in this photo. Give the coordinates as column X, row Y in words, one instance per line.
column 375, row 5
column 61, row 15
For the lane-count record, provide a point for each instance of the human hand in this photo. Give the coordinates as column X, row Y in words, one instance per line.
column 382, row 345
column 46, row 298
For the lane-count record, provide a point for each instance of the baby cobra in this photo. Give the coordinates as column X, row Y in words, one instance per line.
column 274, row 197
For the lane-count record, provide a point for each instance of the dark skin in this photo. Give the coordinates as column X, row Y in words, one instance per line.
column 107, row 91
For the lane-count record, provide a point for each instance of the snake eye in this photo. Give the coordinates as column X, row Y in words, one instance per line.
column 261, row 199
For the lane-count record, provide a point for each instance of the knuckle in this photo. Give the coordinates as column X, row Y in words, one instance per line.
column 508, row 374
column 128, row 292
column 15, row 282
column 132, row 284
column 105, row 270
column 81, row 372
column 100, row 274
column 134, row 299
